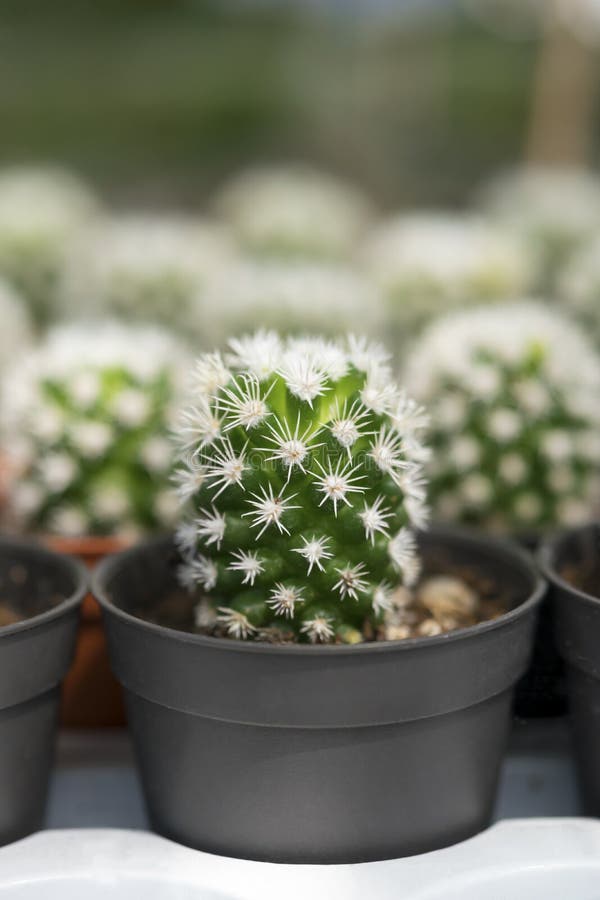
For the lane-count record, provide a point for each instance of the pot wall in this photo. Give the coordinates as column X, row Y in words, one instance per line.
column 319, row 754
column 34, row 657
column 578, row 638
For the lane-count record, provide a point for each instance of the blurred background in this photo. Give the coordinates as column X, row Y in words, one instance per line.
column 418, row 100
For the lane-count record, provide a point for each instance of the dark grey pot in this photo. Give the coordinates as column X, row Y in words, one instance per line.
column 577, row 622
column 34, row 657
column 319, row 754
column 542, row 691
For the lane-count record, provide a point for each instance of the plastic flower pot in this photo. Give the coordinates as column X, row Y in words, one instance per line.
column 578, row 636
column 319, row 754
column 35, row 653
column 92, row 696
column 542, row 692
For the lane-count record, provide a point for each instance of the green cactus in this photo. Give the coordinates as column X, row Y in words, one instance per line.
column 85, row 425
column 300, row 471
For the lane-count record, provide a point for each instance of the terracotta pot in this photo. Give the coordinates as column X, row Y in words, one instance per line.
column 92, row 697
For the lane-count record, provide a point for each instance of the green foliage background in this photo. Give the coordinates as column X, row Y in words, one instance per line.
column 159, row 99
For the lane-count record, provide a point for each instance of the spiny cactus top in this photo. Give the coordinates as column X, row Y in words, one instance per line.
column 301, row 476
column 294, row 210
column 428, row 263
column 146, row 268
column 514, row 395
column 85, row 424
column 41, row 211
column 15, row 326
column 291, row 296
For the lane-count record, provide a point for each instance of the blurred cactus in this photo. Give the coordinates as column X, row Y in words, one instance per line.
column 292, row 297
column 148, row 268
column 579, row 286
column 15, row 326
column 431, row 262
column 514, row 397
column 300, row 473
column 85, row 425
column 552, row 209
column 41, row 211
column 292, row 211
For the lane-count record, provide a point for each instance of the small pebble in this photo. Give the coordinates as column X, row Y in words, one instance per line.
column 448, row 597
column 429, row 628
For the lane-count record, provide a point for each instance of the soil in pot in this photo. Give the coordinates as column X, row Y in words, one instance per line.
column 322, row 754
column 92, row 696
column 40, row 594
column 572, row 565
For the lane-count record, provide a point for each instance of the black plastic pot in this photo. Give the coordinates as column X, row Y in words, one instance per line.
column 319, row 754
column 577, row 623
column 542, row 691
column 34, row 657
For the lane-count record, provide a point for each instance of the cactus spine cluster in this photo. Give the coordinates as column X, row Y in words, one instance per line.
column 300, row 471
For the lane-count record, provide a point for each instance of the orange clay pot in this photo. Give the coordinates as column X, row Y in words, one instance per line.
column 92, row 697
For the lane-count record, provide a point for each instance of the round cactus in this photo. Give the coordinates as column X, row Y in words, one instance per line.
column 146, row 268
column 290, row 296
column 41, row 212
column 429, row 263
column 85, row 424
column 294, row 210
column 300, row 470
column 515, row 405
column 552, row 209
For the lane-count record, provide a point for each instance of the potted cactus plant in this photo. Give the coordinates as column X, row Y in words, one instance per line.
column 316, row 700
column 86, row 420
column 515, row 436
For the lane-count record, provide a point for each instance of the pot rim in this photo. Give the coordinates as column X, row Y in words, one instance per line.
column 111, row 565
column 75, row 568
column 546, row 557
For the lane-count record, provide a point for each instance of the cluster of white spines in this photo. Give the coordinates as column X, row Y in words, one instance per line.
column 62, row 427
column 531, row 379
column 231, row 392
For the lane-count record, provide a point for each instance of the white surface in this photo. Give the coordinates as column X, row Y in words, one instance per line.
column 549, row 859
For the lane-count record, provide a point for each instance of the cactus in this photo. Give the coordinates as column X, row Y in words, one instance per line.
column 16, row 332
column 146, row 268
column 300, row 472
column 429, row 263
column 552, row 209
column 41, row 212
column 291, row 296
column 513, row 394
column 85, row 424
column 294, row 211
